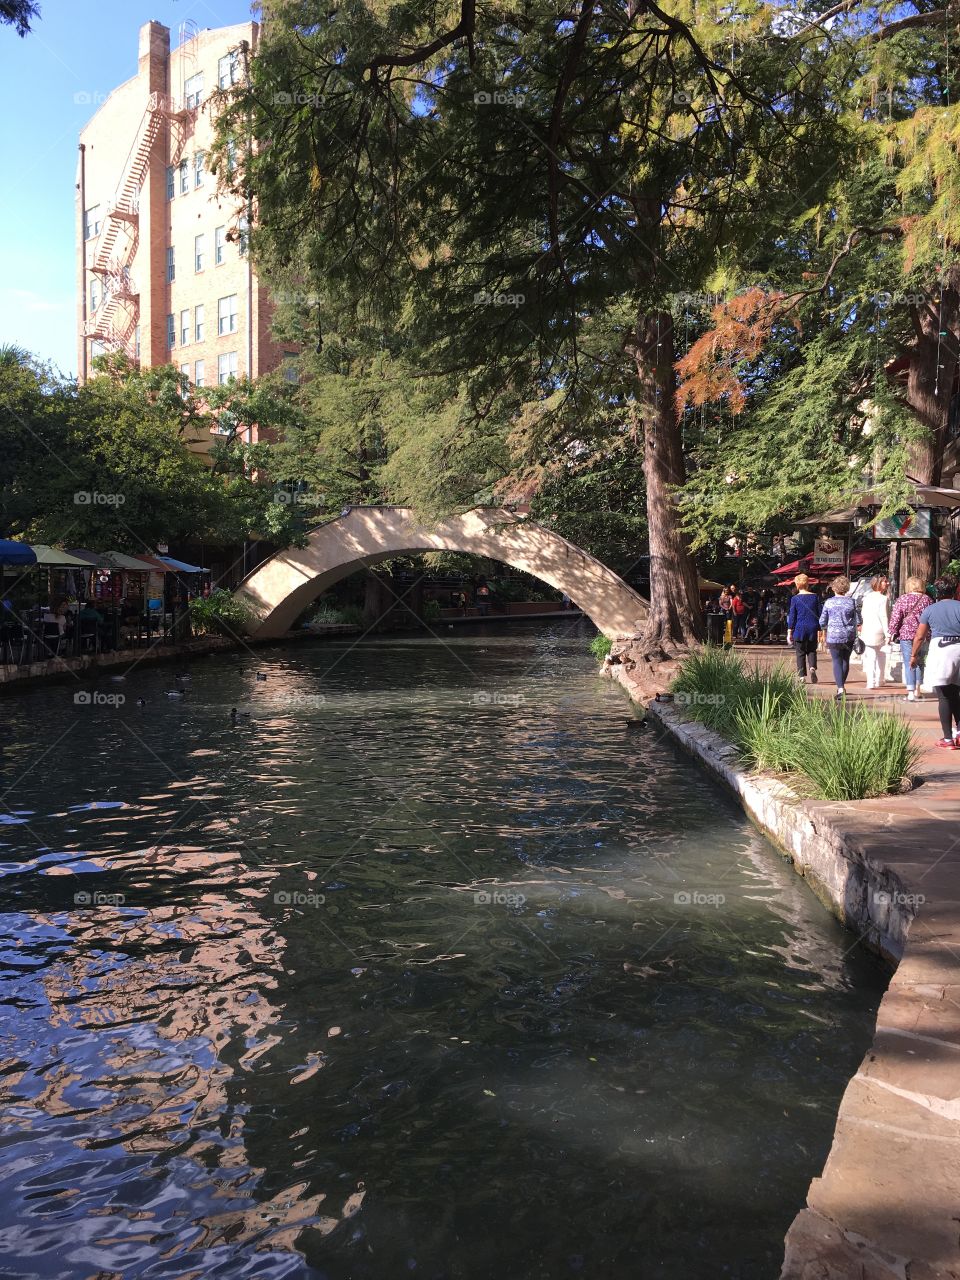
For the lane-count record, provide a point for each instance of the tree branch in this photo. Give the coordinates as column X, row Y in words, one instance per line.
column 465, row 29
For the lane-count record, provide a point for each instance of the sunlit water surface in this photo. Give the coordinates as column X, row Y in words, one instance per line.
column 393, row 980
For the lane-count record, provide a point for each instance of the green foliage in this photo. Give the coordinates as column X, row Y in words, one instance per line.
column 831, row 751
column 432, row 611
column 108, row 465
column 600, row 646
column 219, row 613
column 599, row 505
column 19, row 14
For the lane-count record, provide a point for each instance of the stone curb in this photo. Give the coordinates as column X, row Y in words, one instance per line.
column 887, row 1205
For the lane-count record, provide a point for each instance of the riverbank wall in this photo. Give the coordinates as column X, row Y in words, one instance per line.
column 15, row 677
column 887, row 1204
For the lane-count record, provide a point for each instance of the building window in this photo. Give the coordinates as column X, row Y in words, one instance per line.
column 91, row 222
column 290, row 371
column 242, row 236
column 219, row 245
column 136, row 342
column 171, row 182
column 185, row 327
column 226, row 367
column 231, row 157
column 228, row 69
column 95, row 293
column 171, row 330
column 227, row 314
column 97, row 349
column 199, row 252
column 193, row 91
column 171, row 264
column 185, row 370
column 184, row 171
column 198, row 373
column 198, row 169
column 198, row 323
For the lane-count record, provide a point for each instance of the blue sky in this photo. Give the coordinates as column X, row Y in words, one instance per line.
column 74, row 49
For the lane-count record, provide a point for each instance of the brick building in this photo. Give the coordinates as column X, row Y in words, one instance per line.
column 162, row 268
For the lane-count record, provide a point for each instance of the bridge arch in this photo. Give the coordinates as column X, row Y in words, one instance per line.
column 279, row 590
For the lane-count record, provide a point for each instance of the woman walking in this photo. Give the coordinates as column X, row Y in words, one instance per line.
column 941, row 623
column 803, row 628
column 841, row 617
column 875, row 633
column 903, row 627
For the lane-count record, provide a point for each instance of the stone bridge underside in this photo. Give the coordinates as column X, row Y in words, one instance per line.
column 281, row 588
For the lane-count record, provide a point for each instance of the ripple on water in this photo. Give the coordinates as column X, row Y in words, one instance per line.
column 398, row 978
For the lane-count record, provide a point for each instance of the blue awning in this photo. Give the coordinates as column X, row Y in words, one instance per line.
column 181, row 566
column 16, row 553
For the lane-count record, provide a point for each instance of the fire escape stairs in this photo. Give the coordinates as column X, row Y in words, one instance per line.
column 124, row 212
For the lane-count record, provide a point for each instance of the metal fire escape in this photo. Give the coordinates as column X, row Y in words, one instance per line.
column 116, row 318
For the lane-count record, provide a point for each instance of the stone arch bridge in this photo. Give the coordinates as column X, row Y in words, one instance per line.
column 279, row 590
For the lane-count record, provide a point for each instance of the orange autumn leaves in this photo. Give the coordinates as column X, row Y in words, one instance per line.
column 740, row 327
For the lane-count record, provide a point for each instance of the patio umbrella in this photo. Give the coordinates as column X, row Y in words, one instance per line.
column 858, row 560
column 704, row 584
column 17, row 554
column 181, row 566
column 52, row 558
column 91, row 559
column 120, row 561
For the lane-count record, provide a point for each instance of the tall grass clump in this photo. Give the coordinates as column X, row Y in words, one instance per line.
column 835, row 752
column 849, row 753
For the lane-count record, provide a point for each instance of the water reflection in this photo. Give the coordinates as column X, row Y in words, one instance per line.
column 392, row 980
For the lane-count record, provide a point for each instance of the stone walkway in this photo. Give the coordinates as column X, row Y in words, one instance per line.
column 887, row 1205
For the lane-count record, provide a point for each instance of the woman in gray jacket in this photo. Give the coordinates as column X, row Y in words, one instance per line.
column 840, row 617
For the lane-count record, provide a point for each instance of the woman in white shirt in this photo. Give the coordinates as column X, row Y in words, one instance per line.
column 875, row 632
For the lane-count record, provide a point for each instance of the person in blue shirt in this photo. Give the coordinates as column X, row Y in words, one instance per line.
column 841, row 617
column 941, row 623
column 803, row 628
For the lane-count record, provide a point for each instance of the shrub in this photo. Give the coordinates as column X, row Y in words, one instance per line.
column 600, row 646
column 219, row 613
column 342, row 615
column 836, row 752
column 432, row 611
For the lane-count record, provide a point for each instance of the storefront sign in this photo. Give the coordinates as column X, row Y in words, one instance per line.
column 905, row 524
column 829, row 553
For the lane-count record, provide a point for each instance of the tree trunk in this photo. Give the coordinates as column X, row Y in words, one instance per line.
column 930, row 379
column 676, row 616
